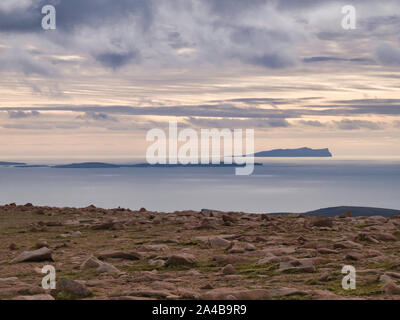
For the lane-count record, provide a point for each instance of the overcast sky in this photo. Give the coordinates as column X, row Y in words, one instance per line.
column 113, row 69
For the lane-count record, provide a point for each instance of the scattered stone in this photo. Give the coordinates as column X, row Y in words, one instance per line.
column 236, row 249
column 12, row 246
column 353, row 256
column 301, row 265
column 35, row 298
column 218, row 242
column 326, row 251
column 156, row 262
column 249, row 247
column 43, row 254
column 322, row 222
column 385, row 237
column 391, row 288
column 111, row 254
column 207, row 224
column 236, row 294
column 229, row 269
column 91, row 262
column 181, row 259
column 42, row 244
column 107, row 268
column 72, row 287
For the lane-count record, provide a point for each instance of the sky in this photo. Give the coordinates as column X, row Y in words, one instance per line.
column 114, row 69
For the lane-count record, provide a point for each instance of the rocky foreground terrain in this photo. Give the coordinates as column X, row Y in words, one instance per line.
column 124, row 254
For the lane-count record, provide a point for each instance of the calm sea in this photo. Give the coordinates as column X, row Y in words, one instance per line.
column 277, row 186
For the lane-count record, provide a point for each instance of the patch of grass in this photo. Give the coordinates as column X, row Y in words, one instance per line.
column 88, row 274
column 363, row 288
column 208, row 266
column 383, row 265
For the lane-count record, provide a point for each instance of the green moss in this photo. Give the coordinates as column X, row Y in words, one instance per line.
column 257, row 269
column 363, row 288
column 387, row 265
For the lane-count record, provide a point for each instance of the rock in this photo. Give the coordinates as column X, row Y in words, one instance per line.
column 103, row 225
column 107, row 268
column 72, row 287
column 325, row 277
column 36, row 297
column 218, row 242
column 42, row 244
column 236, row 249
column 160, row 294
column 12, row 246
column 76, row 234
column 111, row 254
column 109, row 225
column 207, row 224
column 181, row 259
column 301, row 265
column 249, row 247
column 156, row 262
column 142, row 210
column 43, row 254
column 229, row 219
column 393, row 274
column 326, row 251
column 9, row 279
column 236, row 294
column 385, row 237
column 269, row 259
column 229, row 269
column 284, row 292
column 353, row 256
column 91, row 262
column 347, row 245
column 322, row 222
column 154, row 247
column 391, row 288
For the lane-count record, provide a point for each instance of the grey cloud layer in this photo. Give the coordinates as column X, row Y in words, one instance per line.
column 246, row 112
column 264, row 33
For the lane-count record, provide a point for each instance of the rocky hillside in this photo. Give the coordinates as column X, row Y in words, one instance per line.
column 124, row 254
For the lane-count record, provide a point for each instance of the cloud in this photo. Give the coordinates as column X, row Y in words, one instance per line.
column 275, row 61
column 22, row 114
column 96, row 116
column 346, row 124
column 117, row 60
column 335, row 59
column 311, row 123
column 388, row 55
column 237, row 123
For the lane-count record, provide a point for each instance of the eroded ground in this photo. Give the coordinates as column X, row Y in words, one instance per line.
column 123, row 254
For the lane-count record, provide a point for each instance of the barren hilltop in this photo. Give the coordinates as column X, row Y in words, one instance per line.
column 124, row 254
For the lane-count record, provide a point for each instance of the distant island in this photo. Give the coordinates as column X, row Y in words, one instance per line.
column 3, row 163
column 91, row 165
column 301, row 153
column 355, row 212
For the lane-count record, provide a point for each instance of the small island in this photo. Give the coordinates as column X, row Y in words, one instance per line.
column 300, row 153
